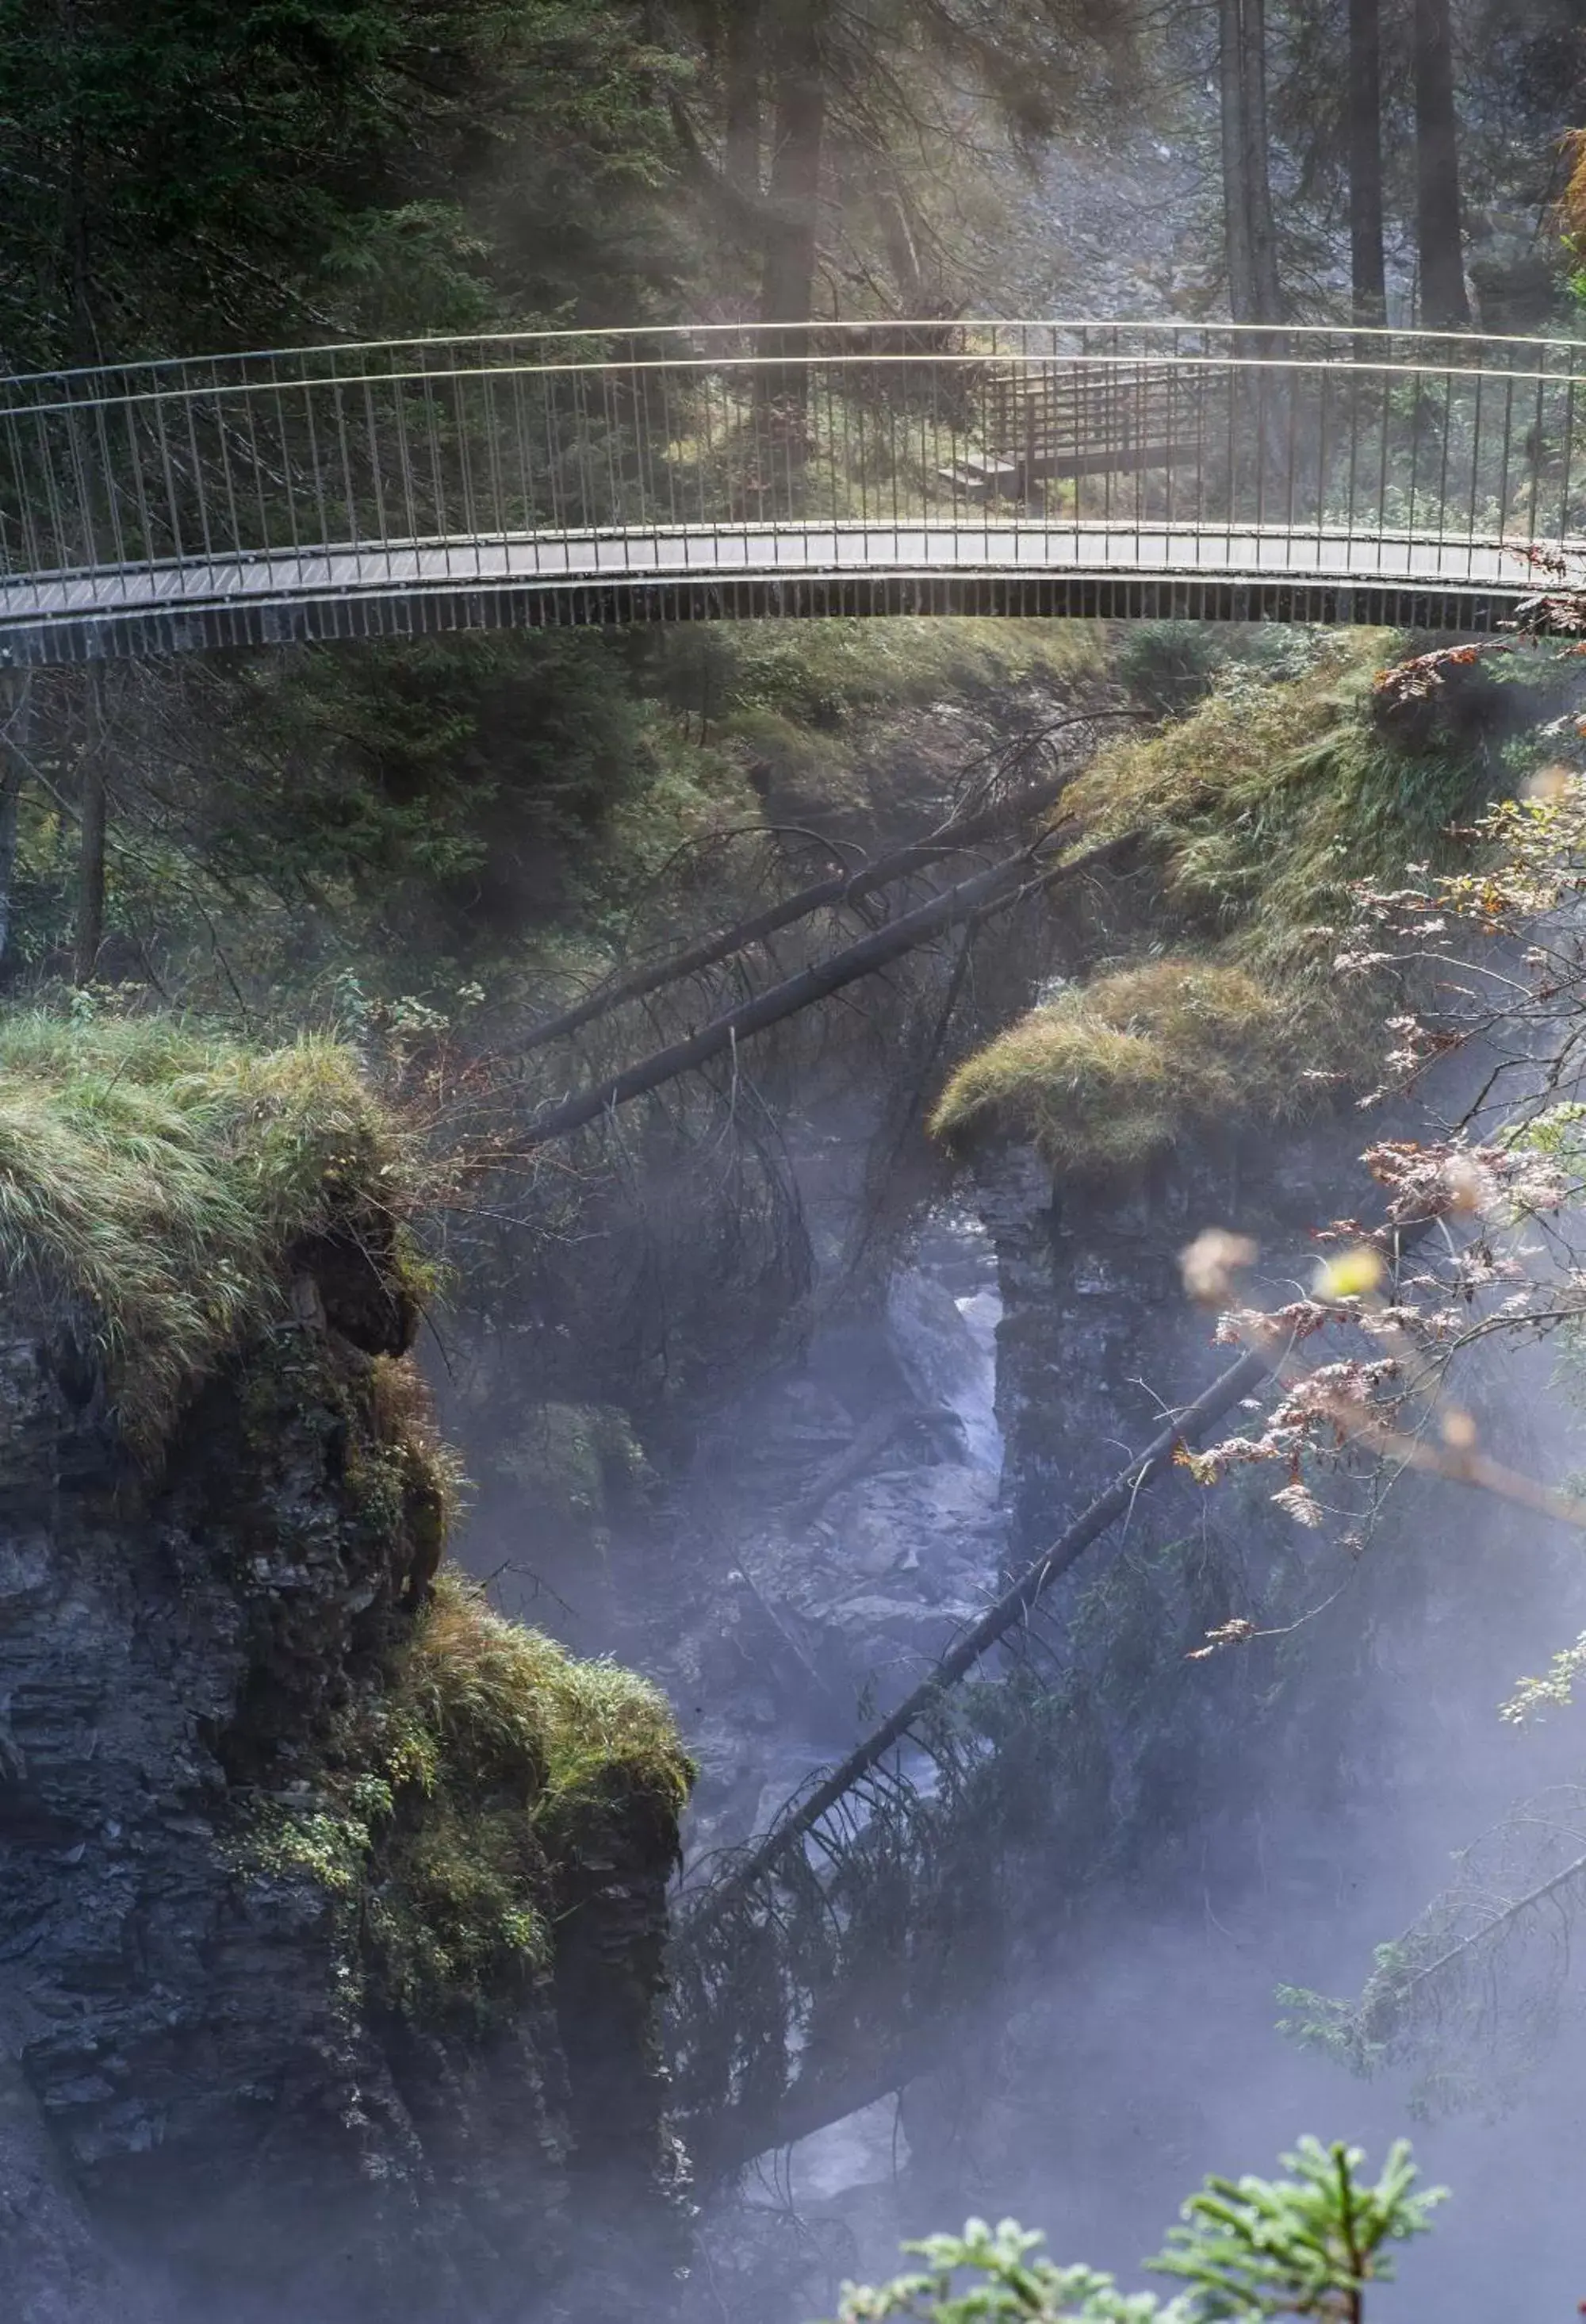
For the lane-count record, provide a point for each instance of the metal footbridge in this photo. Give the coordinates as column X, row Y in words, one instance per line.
column 1206, row 471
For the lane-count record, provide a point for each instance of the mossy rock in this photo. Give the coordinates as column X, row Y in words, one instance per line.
column 462, row 1797
column 1106, row 1077
column 1251, row 821
column 177, row 1188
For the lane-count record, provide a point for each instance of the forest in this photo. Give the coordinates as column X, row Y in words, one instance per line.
column 792, row 1160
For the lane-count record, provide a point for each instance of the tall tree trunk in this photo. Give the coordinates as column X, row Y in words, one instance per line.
column 1439, row 222
column 1254, row 292
column 19, row 737
column 898, row 240
column 1236, row 201
column 741, row 76
column 798, row 149
column 1368, row 273
column 1269, row 295
column 82, row 336
column 90, row 878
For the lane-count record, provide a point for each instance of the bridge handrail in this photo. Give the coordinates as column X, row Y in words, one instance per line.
column 1552, row 357
column 701, row 365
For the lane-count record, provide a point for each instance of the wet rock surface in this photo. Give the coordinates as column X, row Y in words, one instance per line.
column 854, row 1507
column 196, row 2114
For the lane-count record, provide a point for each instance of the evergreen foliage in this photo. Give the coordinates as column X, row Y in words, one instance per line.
column 1307, row 2245
column 184, row 176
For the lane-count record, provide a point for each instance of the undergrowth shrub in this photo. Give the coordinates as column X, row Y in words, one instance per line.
column 578, row 1465
column 1168, row 666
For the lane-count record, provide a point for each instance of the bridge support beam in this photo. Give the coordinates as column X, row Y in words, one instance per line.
column 237, row 625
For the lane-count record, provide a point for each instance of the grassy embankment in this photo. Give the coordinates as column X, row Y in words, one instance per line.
column 1211, row 998
column 159, row 1185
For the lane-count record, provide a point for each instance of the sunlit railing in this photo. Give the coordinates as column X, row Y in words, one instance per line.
column 576, row 476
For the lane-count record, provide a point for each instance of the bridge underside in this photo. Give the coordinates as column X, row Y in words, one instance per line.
column 233, row 623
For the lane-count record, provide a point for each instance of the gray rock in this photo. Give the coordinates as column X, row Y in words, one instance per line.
column 190, row 2093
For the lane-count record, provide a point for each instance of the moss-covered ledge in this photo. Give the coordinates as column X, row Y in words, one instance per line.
column 338, row 1898
column 1204, row 1000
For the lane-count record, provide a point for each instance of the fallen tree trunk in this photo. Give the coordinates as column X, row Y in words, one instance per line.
column 1186, row 1428
column 986, row 891
column 842, row 887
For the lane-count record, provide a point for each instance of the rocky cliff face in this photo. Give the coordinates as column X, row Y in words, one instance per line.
column 208, row 2107
column 1266, row 1815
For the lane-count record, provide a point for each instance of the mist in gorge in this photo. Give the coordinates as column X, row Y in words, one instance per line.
column 792, row 1428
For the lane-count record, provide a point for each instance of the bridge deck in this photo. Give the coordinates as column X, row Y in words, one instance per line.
column 701, row 573
column 997, row 468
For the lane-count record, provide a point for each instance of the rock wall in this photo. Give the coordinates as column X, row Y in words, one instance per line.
column 200, row 2110
column 1267, row 1816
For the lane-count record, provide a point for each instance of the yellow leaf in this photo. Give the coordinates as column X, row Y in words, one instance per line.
column 1351, row 1274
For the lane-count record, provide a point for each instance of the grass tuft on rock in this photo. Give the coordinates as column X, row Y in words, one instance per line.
column 157, row 1176
column 1252, row 817
column 1105, row 1077
column 458, row 1791
column 1259, row 809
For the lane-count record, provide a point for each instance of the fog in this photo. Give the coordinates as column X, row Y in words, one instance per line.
column 1132, row 2047
column 768, row 1371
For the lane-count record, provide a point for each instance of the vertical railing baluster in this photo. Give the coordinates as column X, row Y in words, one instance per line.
column 554, row 474
column 442, row 513
column 461, row 384
column 498, row 498
column 1503, row 473
column 167, row 471
column 1416, row 406
column 316, row 464
column 1234, row 386
column 88, row 553
column 616, row 512
column 385, row 531
column 1324, row 381
column 1564, row 490
column 525, row 472
column 1383, row 433
column 1536, row 442
column 200, row 495
column 1447, row 427
column 223, row 402
column 710, row 510
column 1475, row 492
column 34, row 561
column 107, row 470
column 287, row 466
column 398, row 383
column 1289, row 384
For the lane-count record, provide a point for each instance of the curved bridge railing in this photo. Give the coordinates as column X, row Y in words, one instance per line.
column 1024, row 467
